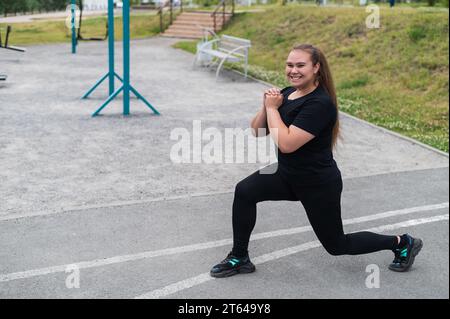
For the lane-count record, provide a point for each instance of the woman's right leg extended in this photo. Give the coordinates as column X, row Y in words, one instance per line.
column 255, row 188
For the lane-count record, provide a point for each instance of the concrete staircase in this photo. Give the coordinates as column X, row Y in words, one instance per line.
column 189, row 24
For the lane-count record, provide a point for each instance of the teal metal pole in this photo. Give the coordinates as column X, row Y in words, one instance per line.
column 139, row 96
column 95, row 86
column 72, row 21
column 126, row 56
column 111, row 72
column 126, row 86
column 110, row 98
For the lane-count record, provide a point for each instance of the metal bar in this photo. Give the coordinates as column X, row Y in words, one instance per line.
column 72, row 21
column 111, row 72
column 171, row 14
column 112, row 96
column 161, row 18
column 125, row 87
column 15, row 49
column 126, row 56
column 139, row 96
column 120, row 79
column 80, row 22
column 85, row 96
column 8, row 30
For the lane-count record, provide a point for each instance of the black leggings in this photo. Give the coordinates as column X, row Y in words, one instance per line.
column 322, row 204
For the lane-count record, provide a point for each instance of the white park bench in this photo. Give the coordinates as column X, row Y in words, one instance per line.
column 223, row 48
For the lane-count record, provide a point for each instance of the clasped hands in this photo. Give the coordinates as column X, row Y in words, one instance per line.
column 273, row 98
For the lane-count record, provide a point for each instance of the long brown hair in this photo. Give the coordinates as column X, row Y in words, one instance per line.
column 325, row 80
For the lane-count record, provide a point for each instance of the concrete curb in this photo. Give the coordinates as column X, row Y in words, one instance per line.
column 398, row 135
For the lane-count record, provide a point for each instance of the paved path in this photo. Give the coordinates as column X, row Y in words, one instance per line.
column 102, row 193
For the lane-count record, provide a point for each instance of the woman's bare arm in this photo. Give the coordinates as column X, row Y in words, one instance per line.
column 259, row 122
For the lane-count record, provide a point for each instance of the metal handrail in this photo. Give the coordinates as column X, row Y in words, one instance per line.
column 160, row 13
column 222, row 5
column 215, row 12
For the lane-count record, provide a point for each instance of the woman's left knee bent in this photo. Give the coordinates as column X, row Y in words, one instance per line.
column 335, row 247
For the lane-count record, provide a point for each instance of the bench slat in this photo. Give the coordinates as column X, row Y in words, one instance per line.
column 230, row 46
column 240, row 41
column 221, row 55
column 237, row 53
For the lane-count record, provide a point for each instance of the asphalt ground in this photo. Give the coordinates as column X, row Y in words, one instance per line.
column 102, row 195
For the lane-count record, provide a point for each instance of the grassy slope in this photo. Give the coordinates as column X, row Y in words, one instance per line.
column 395, row 76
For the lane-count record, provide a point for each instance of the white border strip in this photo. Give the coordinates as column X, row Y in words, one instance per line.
column 69, row 209
column 409, row 139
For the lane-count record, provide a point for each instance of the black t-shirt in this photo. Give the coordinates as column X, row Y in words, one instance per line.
column 315, row 113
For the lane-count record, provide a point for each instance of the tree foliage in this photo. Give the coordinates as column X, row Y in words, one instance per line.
column 23, row 6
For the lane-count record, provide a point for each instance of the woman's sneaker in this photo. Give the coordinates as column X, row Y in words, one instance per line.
column 404, row 256
column 232, row 265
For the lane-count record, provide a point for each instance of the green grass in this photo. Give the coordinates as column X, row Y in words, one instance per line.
column 395, row 76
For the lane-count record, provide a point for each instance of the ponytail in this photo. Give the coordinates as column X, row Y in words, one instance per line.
column 325, row 80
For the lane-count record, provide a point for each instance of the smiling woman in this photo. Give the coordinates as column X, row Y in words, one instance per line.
column 302, row 119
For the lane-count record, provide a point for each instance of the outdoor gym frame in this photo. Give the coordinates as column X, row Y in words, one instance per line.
column 126, row 87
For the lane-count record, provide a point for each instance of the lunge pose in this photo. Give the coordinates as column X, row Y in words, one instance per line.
column 303, row 121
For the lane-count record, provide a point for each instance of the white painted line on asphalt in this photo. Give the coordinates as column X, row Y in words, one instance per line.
column 194, row 247
column 69, row 209
column 408, row 223
column 395, row 213
column 205, row 277
column 392, row 213
column 113, row 260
